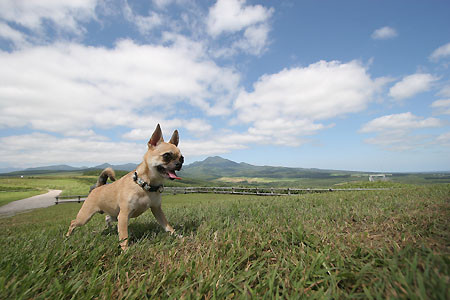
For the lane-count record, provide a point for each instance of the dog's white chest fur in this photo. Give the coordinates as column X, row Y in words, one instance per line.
column 142, row 202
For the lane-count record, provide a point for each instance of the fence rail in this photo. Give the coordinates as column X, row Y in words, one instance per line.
column 260, row 191
column 257, row 191
column 73, row 198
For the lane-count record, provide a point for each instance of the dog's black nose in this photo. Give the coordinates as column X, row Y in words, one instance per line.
column 178, row 166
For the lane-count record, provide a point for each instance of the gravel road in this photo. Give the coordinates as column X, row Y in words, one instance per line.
column 39, row 201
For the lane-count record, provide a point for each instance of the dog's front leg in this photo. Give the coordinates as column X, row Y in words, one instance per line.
column 122, row 227
column 161, row 218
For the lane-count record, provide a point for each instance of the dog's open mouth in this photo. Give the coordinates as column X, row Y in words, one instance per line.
column 170, row 174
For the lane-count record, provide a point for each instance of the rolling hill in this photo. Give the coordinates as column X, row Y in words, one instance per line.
column 218, row 167
column 53, row 168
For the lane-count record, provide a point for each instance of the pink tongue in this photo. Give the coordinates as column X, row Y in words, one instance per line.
column 173, row 175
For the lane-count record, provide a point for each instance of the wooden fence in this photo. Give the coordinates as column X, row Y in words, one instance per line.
column 74, row 198
column 257, row 191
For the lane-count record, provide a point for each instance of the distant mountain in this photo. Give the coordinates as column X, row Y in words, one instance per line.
column 102, row 166
column 216, row 161
column 213, row 162
column 53, row 168
column 124, row 167
column 217, row 167
column 210, row 168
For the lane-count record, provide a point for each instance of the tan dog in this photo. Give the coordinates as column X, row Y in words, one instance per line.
column 137, row 191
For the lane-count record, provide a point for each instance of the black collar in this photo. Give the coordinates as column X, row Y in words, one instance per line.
column 146, row 186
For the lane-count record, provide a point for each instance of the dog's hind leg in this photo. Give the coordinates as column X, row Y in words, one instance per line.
column 84, row 215
column 109, row 220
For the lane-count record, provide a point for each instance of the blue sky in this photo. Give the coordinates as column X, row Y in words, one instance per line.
column 355, row 85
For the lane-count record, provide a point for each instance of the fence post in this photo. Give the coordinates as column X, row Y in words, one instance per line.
column 289, row 191
column 57, row 199
column 271, row 190
column 232, row 190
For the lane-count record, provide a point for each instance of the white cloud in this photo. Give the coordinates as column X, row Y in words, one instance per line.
column 396, row 132
column 384, row 33
column 442, row 106
column 64, row 15
column 209, row 147
column 197, row 127
column 441, row 52
column 282, row 131
column 39, row 149
column 255, row 39
column 285, row 106
column 399, row 141
column 411, row 85
column 144, row 23
column 44, row 149
column 76, row 88
column 320, row 91
column 16, row 37
column 162, row 3
column 233, row 17
column 273, row 132
column 404, row 121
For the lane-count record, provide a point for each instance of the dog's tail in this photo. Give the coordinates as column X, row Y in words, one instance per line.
column 104, row 175
column 108, row 172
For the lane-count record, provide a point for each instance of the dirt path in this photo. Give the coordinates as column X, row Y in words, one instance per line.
column 38, row 201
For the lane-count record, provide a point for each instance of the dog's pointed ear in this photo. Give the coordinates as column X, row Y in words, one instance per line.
column 156, row 138
column 175, row 138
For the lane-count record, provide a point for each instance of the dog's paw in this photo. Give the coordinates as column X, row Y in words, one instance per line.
column 124, row 244
column 177, row 235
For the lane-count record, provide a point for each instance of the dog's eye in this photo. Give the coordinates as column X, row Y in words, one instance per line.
column 167, row 156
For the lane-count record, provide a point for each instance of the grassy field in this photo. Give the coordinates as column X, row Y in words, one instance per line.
column 329, row 181
column 342, row 245
column 16, row 188
column 285, row 182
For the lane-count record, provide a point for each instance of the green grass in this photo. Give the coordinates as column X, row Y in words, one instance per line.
column 15, row 188
column 341, row 245
column 6, row 197
column 333, row 179
column 282, row 182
